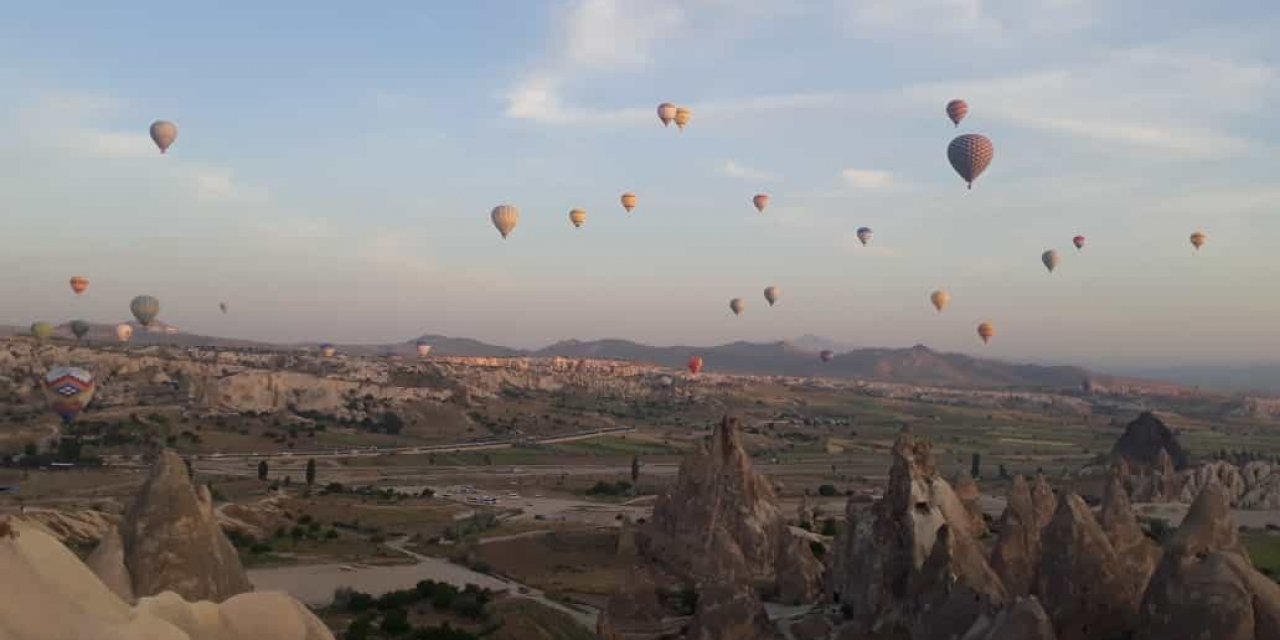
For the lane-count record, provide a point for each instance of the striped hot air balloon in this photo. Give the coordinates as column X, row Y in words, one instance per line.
column 956, row 110
column 986, row 331
column 505, row 217
column 145, row 309
column 163, row 133
column 68, row 390
column 578, row 217
column 695, row 365
column 970, row 154
column 666, row 113
column 629, row 201
column 79, row 284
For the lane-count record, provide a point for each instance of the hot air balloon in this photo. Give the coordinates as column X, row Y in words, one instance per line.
column 736, row 306
column 666, row 113
column 695, row 365
column 222, row 306
column 145, row 308
column 864, row 235
column 68, row 390
column 124, row 332
column 629, row 201
column 1078, row 241
column 969, row 155
column 163, row 133
column 682, row 118
column 80, row 329
column 761, row 200
column 79, row 284
column 423, row 348
column 1198, row 239
column 985, row 331
column 957, row 110
column 578, row 217
column 826, row 355
column 1050, row 259
column 41, row 330
column 327, row 350
column 772, row 294
column 505, row 218
column 940, row 299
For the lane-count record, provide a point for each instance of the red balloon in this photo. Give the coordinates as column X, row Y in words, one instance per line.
column 957, row 110
column 970, row 154
column 695, row 365
column 1078, row 241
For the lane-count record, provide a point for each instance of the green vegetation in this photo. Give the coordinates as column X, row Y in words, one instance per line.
column 388, row 616
column 1264, row 548
column 610, row 489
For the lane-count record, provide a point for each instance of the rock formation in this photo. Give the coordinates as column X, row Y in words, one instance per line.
column 107, row 562
column 1205, row 585
column 47, row 593
column 1137, row 553
column 910, row 559
column 1022, row 619
column 172, row 542
column 728, row 607
column 970, row 496
column 1256, row 485
column 1017, row 549
column 1142, row 442
column 1080, row 579
column 1043, row 501
column 717, row 490
column 634, row 610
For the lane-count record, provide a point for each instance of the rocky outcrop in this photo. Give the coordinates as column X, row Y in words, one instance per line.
column 955, row 588
column 172, row 541
column 718, row 491
column 1256, row 485
column 75, row 526
column 626, row 537
column 1079, row 578
column 48, row 593
column 1157, row 483
column 634, row 610
column 1022, row 619
column 910, row 560
column 1044, row 502
column 1137, row 553
column 728, row 607
column 970, row 495
column 107, row 562
column 1017, row 549
column 1142, row 442
column 1205, row 585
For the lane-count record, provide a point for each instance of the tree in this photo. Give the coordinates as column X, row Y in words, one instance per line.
column 262, row 470
column 30, row 450
column 311, row 472
column 635, row 469
column 975, row 467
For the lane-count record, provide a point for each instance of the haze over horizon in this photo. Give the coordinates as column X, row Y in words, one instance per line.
column 335, row 169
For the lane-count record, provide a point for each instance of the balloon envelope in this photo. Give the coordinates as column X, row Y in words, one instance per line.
column 1078, row 241
column 145, row 309
column 222, row 306
column 864, row 235
column 79, row 328
column 666, row 113
column 327, row 350
column 986, row 331
column 970, row 154
column 761, row 200
column 163, row 133
column 629, row 201
column 79, row 284
column 736, row 306
column 1198, row 239
column 505, row 217
column 124, row 332
column 772, row 294
column 578, row 217
column 423, row 350
column 695, row 365
column 957, row 110
column 1050, row 259
column 41, row 330
column 826, row 355
column 683, row 116
column 68, row 390
column 940, row 299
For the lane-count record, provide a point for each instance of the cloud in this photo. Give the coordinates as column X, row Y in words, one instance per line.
column 868, row 179
column 1157, row 100
column 611, row 35
column 988, row 22
column 735, row 170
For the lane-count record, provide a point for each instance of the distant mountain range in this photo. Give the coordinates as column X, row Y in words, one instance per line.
column 914, row 365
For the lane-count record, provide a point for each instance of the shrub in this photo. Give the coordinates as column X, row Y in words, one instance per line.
column 828, row 491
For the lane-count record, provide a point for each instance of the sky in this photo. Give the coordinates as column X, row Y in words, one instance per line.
column 336, row 166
